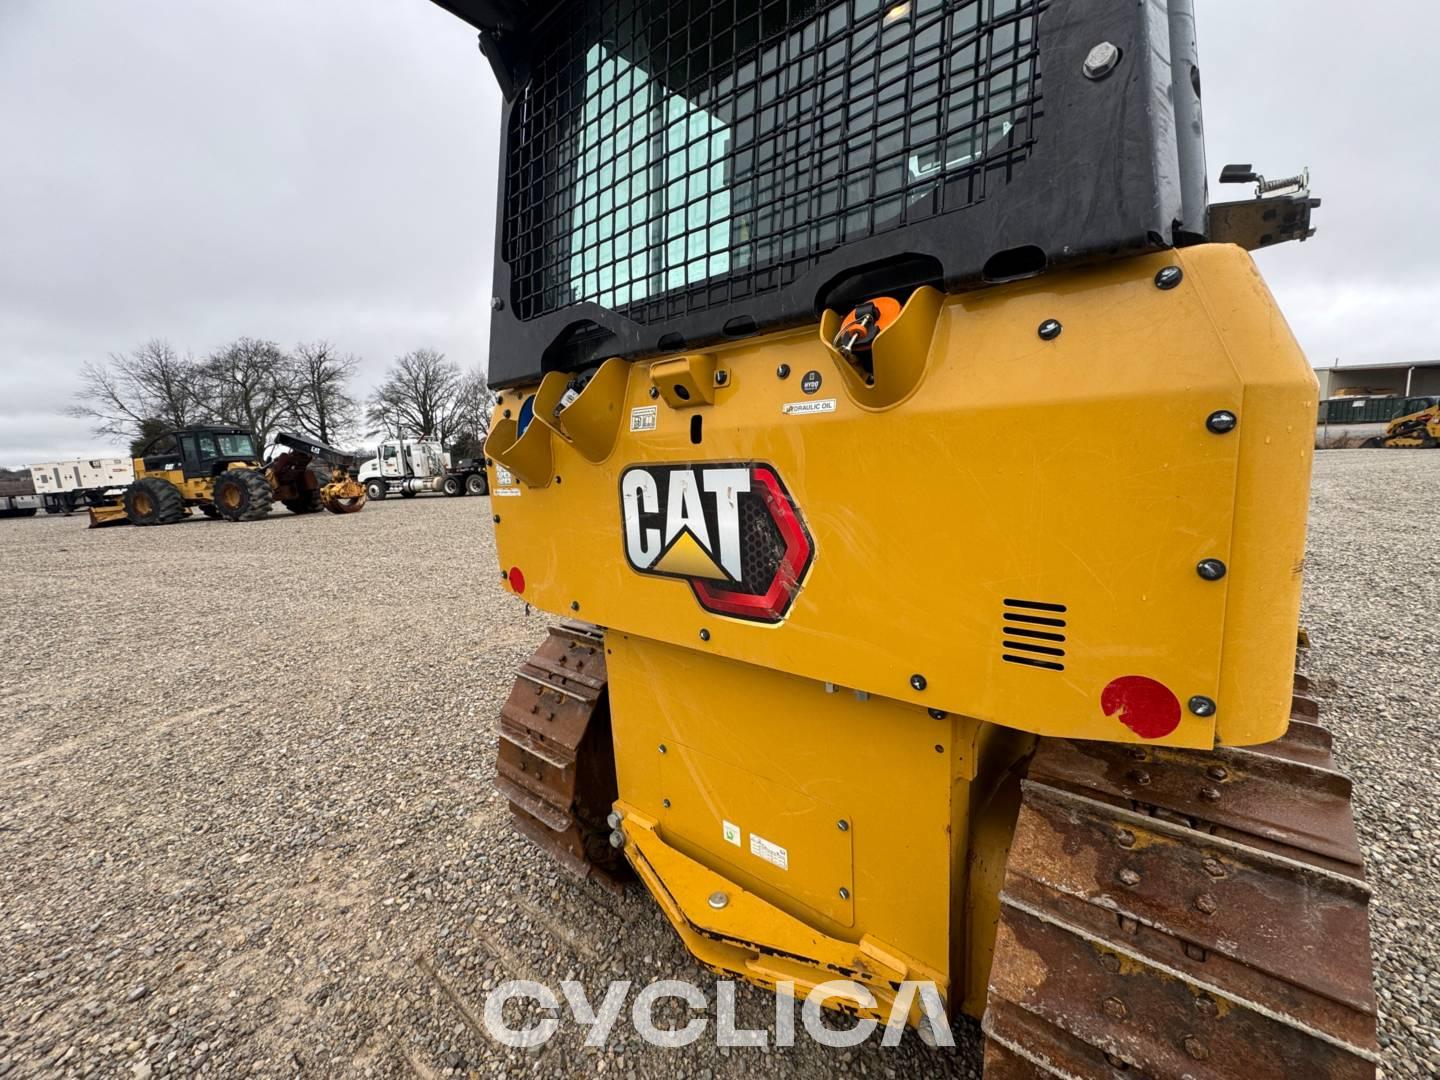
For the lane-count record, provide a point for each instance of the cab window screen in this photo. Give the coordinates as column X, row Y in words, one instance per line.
column 665, row 158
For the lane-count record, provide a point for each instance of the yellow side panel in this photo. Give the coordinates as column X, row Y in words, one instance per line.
column 1076, row 472
column 823, row 791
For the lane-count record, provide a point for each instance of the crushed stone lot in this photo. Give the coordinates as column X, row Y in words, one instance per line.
column 247, row 824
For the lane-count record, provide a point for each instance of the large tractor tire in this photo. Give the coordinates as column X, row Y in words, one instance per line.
column 375, row 490
column 153, row 501
column 452, row 486
column 243, row 495
column 308, row 501
column 477, row 484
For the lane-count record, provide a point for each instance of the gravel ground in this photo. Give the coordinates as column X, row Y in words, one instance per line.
column 247, row 826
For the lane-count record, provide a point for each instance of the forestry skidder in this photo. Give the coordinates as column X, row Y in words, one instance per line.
column 218, row 470
column 888, row 688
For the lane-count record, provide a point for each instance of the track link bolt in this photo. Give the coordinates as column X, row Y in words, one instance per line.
column 1116, row 1061
column 1210, row 794
column 1115, row 1008
column 1195, row 1048
column 1140, row 776
column 1110, row 962
column 1138, row 753
column 1195, row 952
column 1214, row 867
column 1129, row 877
column 1205, row 1005
column 1217, row 772
column 1205, row 904
column 1125, row 838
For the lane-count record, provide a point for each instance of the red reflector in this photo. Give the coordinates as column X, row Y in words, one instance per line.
column 1145, row 706
column 517, row 579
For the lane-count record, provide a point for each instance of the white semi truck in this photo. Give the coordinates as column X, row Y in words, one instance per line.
column 406, row 467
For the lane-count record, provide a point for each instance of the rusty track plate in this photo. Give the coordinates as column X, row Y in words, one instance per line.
column 1145, row 1014
column 1230, row 909
column 555, row 762
column 1183, row 913
column 1286, row 802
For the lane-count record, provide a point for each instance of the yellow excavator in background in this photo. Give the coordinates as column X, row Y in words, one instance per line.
column 218, row 470
column 875, row 686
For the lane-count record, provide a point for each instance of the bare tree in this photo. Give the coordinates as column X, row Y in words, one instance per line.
column 418, row 397
column 474, row 400
column 246, row 384
column 317, row 390
column 153, row 382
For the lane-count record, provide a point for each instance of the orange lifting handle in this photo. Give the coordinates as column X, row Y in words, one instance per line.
column 861, row 327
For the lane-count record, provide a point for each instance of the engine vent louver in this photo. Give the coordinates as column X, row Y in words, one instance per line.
column 1034, row 634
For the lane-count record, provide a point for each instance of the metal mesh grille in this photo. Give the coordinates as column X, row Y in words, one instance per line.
column 761, row 546
column 665, row 158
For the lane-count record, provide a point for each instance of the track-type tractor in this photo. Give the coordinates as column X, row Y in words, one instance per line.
column 875, row 685
column 217, row 470
column 1413, row 431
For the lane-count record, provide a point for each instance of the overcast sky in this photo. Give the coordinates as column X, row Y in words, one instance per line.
column 292, row 169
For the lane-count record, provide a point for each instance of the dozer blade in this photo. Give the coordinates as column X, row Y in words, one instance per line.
column 556, row 763
column 343, row 497
column 1184, row 913
column 109, row 514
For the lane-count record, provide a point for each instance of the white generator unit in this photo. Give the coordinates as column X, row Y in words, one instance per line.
column 66, row 486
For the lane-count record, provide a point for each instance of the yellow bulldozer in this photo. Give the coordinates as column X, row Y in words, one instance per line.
column 875, row 685
column 218, row 470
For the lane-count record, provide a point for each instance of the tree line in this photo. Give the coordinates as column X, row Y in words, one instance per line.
column 258, row 385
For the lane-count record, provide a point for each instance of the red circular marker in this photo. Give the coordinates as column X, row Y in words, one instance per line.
column 1145, row 706
column 517, row 579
